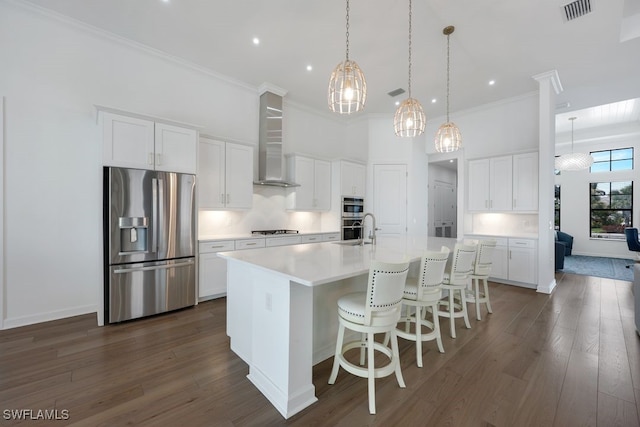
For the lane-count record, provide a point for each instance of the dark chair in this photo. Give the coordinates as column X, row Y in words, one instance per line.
column 567, row 239
column 632, row 242
column 560, row 250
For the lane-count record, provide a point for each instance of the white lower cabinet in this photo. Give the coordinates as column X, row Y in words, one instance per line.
column 514, row 259
column 212, row 270
column 500, row 264
column 522, row 260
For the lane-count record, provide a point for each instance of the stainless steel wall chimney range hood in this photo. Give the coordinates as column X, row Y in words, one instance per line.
column 270, row 156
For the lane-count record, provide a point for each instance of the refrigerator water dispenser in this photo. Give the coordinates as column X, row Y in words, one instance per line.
column 133, row 234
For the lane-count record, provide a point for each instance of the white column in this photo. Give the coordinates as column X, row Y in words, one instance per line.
column 549, row 87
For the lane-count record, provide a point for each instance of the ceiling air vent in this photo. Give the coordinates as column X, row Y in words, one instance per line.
column 396, row 92
column 576, row 9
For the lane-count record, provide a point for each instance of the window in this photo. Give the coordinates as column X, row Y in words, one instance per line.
column 612, row 160
column 611, row 208
column 556, row 223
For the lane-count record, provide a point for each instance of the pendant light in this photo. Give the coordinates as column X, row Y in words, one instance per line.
column 448, row 137
column 347, row 86
column 573, row 161
column 409, row 120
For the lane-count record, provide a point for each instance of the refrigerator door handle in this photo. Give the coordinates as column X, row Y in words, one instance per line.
column 160, row 209
column 153, row 267
column 154, row 214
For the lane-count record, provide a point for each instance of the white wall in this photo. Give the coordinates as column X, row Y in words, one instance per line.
column 53, row 73
column 387, row 148
column 506, row 127
column 574, row 188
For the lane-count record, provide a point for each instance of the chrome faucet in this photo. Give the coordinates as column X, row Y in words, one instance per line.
column 372, row 234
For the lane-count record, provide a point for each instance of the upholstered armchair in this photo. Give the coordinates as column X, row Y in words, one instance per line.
column 567, row 240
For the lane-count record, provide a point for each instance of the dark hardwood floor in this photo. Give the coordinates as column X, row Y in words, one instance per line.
column 567, row 359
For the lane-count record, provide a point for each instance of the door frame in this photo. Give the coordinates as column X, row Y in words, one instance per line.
column 461, row 186
column 3, row 275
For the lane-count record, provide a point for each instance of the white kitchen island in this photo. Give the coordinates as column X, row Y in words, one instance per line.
column 281, row 307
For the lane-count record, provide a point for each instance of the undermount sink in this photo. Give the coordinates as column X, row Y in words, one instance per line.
column 351, row 243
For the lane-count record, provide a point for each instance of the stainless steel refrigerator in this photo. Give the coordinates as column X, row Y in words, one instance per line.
column 149, row 242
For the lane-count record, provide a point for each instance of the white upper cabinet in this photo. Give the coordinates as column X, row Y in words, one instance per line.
column 525, row 182
column 314, row 178
column 500, row 183
column 176, row 148
column 352, row 179
column 507, row 183
column 139, row 143
column 225, row 175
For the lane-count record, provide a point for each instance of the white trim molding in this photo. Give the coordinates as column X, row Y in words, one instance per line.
column 3, row 274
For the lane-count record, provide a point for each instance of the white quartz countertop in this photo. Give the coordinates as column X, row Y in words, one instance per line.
column 238, row 236
column 320, row 263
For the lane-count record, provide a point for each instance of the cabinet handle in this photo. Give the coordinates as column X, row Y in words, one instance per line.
column 490, row 204
column 486, row 204
column 217, row 246
column 514, row 203
column 227, row 198
column 150, row 159
column 221, row 198
column 158, row 159
column 251, row 244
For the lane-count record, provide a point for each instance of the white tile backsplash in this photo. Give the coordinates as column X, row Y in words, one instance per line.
column 504, row 224
column 268, row 213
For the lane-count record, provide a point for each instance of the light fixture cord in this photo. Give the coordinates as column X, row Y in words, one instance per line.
column 572, row 120
column 448, row 69
column 347, row 30
column 409, row 48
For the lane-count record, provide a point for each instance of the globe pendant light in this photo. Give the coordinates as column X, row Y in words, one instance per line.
column 347, row 86
column 448, row 137
column 409, row 120
column 573, row 161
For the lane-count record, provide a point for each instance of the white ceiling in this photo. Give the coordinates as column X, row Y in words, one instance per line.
column 508, row 41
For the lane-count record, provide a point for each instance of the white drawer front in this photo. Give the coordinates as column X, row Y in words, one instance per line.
column 311, row 238
column 249, row 244
column 522, row 243
column 216, row 246
column 331, row 236
column 283, row 241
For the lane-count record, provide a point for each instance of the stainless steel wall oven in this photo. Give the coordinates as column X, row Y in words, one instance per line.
column 352, row 215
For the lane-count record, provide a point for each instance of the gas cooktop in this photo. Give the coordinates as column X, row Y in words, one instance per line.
column 269, row 232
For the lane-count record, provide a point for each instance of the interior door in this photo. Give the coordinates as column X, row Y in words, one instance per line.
column 389, row 199
column 444, row 210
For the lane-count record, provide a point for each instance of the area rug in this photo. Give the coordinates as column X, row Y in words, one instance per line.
column 611, row 268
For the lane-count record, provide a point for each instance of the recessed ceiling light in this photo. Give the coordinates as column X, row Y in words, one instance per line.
column 433, row 101
column 450, row 160
column 309, row 68
column 165, row 1
column 397, row 103
column 492, row 82
column 256, row 41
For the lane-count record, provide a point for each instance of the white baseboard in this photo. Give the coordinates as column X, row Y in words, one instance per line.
column 16, row 322
column 547, row 289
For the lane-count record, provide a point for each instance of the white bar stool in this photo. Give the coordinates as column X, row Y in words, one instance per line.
column 424, row 294
column 456, row 281
column 481, row 271
column 375, row 311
